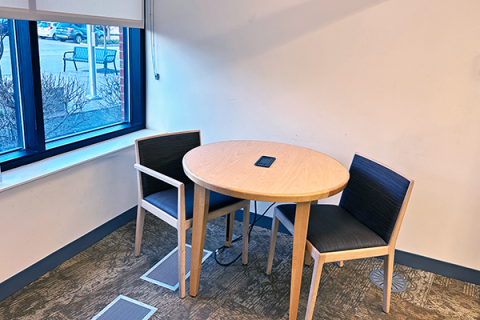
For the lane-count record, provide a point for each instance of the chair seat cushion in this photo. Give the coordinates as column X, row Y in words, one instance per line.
column 331, row 228
column 166, row 200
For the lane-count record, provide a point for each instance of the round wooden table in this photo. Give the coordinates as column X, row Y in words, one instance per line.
column 298, row 175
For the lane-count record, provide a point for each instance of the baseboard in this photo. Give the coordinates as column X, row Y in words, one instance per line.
column 446, row 269
column 32, row 273
column 401, row 257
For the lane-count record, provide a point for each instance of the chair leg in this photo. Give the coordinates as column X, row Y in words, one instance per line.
column 246, row 225
column 312, row 297
column 273, row 241
column 139, row 229
column 387, row 280
column 307, row 260
column 181, row 259
column 229, row 220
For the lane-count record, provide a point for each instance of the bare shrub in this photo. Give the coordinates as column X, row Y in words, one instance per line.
column 111, row 103
column 8, row 118
column 64, row 107
column 63, row 98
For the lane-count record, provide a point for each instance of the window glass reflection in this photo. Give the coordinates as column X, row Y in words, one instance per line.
column 10, row 136
column 78, row 95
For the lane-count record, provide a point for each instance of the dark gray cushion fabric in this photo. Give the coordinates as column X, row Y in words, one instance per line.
column 374, row 195
column 164, row 154
column 167, row 200
column 331, row 228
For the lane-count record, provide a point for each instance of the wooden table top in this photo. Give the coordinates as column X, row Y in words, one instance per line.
column 297, row 175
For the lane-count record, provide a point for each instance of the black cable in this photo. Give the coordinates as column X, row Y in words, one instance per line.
column 222, row 248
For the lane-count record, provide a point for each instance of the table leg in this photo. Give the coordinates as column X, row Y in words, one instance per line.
column 201, row 200
column 299, row 240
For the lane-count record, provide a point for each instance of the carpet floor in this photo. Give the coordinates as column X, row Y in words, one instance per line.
column 82, row 286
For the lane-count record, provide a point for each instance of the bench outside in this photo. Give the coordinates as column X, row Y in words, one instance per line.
column 80, row 54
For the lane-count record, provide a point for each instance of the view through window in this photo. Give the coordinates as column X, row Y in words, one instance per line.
column 64, row 86
column 79, row 96
column 10, row 136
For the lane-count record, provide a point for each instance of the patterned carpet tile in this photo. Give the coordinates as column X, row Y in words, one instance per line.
column 419, row 283
column 400, row 309
column 452, row 297
column 57, row 316
column 232, row 311
column 84, row 285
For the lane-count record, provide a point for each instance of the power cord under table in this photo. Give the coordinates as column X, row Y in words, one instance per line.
column 222, row 248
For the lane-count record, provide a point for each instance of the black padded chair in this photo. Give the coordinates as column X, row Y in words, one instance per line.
column 364, row 224
column 165, row 191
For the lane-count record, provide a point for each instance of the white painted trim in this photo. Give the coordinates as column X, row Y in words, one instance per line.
column 43, row 168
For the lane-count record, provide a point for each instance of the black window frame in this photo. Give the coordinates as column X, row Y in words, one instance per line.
column 29, row 94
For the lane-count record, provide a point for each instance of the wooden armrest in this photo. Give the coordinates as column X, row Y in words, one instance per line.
column 158, row 175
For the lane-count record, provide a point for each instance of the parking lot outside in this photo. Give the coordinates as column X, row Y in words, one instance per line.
column 51, row 57
column 67, row 110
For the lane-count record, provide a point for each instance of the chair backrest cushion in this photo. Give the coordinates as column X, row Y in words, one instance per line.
column 164, row 154
column 374, row 195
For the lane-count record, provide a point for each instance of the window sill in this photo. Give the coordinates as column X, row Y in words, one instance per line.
column 31, row 172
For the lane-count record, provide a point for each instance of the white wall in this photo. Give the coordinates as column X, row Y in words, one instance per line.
column 398, row 80
column 40, row 217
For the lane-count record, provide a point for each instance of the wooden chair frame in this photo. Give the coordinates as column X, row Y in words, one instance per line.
column 320, row 258
column 182, row 224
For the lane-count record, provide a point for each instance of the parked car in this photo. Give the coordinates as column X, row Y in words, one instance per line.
column 71, row 31
column 47, row 30
column 75, row 32
column 99, row 35
column 4, row 27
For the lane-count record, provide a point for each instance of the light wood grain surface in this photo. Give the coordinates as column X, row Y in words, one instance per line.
column 297, row 175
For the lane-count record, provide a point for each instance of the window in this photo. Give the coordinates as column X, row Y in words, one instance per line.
column 10, row 136
column 65, row 86
column 78, row 97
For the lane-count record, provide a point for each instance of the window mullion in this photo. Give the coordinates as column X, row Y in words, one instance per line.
column 136, row 91
column 30, row 85
column 18, row 108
